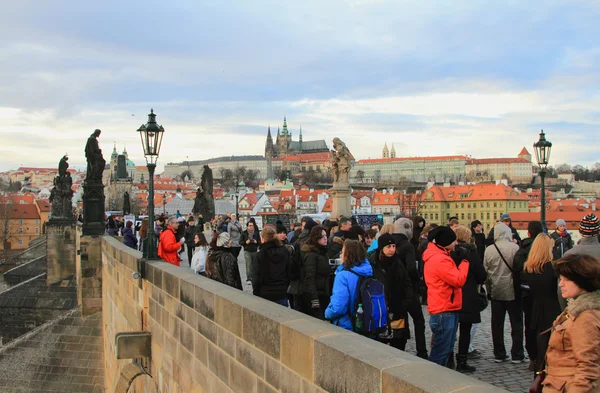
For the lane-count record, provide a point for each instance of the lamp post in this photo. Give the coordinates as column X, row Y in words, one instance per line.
column 151, row 134
column 542, row 154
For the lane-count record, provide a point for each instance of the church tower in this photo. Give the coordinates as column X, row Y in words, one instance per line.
column 300, row 140
column 269, row 154
column 385, row 153
column 393, row 152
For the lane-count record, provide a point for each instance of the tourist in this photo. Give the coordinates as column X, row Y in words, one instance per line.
column 297, row 228
column 234, row 228
column 315, row 281
column 562, row 239
column 198, row 261
column 506, row 220
column 538, row 274
column 370, row 237
column 111, row 226
column 444, row 282
column 270, row 272
column 128, row 237
column 478, row 237
column 296, row 269
column 418, row 226
column 250, row 241
column 469, row 313
column 573, row 356
column 453, row 223
column 423, row 243
column 168, row 246
column 403, row 231
column 534, row 228
column 189, row 234
column 498, row 262
column 389, row 269
column 143, row 233
column 386, row 228
column 345, row 291
column 221, row 264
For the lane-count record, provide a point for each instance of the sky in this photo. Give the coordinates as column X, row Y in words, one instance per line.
column 469, row 77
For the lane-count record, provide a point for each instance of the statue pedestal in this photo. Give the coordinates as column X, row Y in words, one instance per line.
column 342, row 201
column 93, row 208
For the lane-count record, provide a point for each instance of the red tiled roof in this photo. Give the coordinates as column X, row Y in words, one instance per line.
column 17, row 199
column 19, row 212
column 520, row 220
column 478, row 192
column 385, row 199
column 328, row 207
column 44, row 205
column 523, row 151
column 398, row 159
column 476, row 161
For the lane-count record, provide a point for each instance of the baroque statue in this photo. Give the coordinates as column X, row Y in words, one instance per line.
column 95, row 161
column 204, row 203
column 126, row 204
column 61, row 195
column 341, row 162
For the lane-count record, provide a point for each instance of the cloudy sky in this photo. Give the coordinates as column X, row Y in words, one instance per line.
column 431, row 77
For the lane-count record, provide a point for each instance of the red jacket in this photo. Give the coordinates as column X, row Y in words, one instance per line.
column 444, row 280
column 168, row 247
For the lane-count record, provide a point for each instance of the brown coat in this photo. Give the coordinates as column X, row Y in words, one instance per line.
column 573, row 357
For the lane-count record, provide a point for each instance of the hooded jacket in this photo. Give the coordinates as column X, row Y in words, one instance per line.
column 168, row 247
column 444, row 279
column 573, row 356
column 344, row 294
column 500, row 277
column 226, row 269
column 234, row 228
column 270, row 279
column 315, row 280
column 129, row 238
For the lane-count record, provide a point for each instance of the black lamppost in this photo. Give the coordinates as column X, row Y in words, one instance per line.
column 542, row 154
column 151, row 134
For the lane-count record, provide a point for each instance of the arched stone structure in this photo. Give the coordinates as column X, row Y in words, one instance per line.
column 134, row 379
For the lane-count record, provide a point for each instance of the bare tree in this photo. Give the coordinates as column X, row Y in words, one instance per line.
column 360, row 176
column 377, row 176
column 8, row 230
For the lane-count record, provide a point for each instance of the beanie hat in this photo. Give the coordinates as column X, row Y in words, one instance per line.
column 505, row 216
column 404, row 226
column 442, row 236
column 589, row 226
column 223, row 239
column 560, row 222
column 385, row 240
column 475, row 223
column 281, row 228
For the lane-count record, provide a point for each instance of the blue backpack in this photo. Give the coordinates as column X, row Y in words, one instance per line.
column 371, row 294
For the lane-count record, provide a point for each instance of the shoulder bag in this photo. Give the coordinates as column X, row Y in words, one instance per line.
column 515, row 275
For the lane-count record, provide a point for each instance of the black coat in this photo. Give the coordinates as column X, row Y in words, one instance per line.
column 398, row 288
column 250, row 247
column 270, row 271
column 316, row 274
column 469, row 313
column 543, row 290
column 406, row 252
column 479, row 243
column 522, row 254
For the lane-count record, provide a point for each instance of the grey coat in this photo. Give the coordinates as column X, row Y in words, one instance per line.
column 500, row 278
column 586, row 246
column 234, row 228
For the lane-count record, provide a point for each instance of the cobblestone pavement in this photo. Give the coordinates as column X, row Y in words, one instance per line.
column 512, row 377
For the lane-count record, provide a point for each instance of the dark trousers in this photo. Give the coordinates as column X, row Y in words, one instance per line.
column 530, row 334
column 464, row 337
column 236, row 251
column 190, row 251
column 416, row 313
column 316, row 312
column 515, row 314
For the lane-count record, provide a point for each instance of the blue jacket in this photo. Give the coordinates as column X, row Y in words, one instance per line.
column 129, row 238
column 373, row 246
column 344, row 294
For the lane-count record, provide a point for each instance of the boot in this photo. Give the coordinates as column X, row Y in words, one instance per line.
column 450, row 363
column 462, row 365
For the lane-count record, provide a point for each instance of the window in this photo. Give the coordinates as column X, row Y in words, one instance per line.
column 20, row 242
column 447, row 216
column 474, row 216
column 447, row 205
column 436, row 216
column 495, row 204
column 468, row 216
column 495, row 215
column 37, row 222
column 462, row 205
column 456, row 205
column 488, row 217
column 462, row 216
column 20, row 221
column 425, row 216
column 469, row 206
column 487, row 204
column 37, row 230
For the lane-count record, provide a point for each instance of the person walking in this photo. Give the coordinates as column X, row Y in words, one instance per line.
column 234, row 228
column 403, row 232
column 111, row 226
column 222, row 265
column 498, row 263
column 573, row 356
column 315, row 281
column 250, row 241
column 189, row 234
column 469, row 313
column 128, row 237
column 538, row 274
column 444, row 282
column 198, row 261
column 270, row 272
column 389, row 269
column 345, row 290
column 168, row 246
column 143, row 234
column 562, row 239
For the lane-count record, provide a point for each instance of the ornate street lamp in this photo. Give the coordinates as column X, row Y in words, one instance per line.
column 542, row 154
column 151, row 134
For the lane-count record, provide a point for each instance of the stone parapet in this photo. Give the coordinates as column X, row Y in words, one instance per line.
column 60, row 251
column 208, row 337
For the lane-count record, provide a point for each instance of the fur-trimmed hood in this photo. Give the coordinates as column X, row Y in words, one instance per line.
column 585, row 302
column 307, row 247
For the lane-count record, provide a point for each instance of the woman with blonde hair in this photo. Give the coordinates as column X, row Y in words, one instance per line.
column 538, row 274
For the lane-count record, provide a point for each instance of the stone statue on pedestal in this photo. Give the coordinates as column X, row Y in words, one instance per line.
column 204, row 203
column 95, row 161
column 93, row 189
column 341, row 163
column 61, row 195
column 126, row 204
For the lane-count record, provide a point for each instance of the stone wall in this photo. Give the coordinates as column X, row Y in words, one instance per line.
column 207, row 337
column 61, row 250
column 25, row 271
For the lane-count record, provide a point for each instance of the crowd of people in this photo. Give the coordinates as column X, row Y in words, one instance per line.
column 371, row 280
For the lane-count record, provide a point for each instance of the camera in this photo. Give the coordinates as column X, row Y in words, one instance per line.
column 335, row 262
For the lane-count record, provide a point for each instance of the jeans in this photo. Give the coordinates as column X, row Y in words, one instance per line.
column 248, row 261
column 443, row 328
column 283, row 302
column 515, row 314
column 464, row 338
column 416, row 313
column 473, row 331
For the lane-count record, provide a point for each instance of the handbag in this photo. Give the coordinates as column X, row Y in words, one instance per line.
column 516, row 276
column 398, row 324
column 536, row 386
column 483, row 299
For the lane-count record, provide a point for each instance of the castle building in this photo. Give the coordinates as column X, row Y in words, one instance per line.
column 516, row 170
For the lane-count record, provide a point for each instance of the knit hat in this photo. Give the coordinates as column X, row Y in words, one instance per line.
column 589, row 226
column 505, row 216
column 560, row 222
column 385, row 240
column 442, row 236
column 281, row 228
column 404, row 226
column 475, row 223
column 223, row 239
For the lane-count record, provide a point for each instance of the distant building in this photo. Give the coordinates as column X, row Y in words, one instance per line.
column 516, row 170
column 19, row 225
column 255, row 163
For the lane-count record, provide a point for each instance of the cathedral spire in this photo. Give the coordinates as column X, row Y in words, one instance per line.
column 285, row 129
column 277, row 132
column 393, row 152
column 386, row 152
column 269, row 143
column 300, row 134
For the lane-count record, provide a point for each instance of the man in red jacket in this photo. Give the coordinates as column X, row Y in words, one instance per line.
column 168, row 246
column 444, row 282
